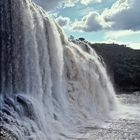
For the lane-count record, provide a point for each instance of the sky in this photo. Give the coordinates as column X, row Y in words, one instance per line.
column 108, row 21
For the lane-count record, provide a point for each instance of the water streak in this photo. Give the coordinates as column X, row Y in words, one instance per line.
column 51, row 89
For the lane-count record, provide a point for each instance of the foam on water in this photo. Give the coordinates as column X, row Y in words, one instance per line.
column 51, row 89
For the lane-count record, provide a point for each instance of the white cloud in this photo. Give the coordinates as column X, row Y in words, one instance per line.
column 52, row 4
column 116, row 36
column 119, row 34
column 63, row 21
column 124, row 14
column 89, row 23
column 86, row 2
column 134, row 45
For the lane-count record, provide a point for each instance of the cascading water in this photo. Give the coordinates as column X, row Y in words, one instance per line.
column 50, row 89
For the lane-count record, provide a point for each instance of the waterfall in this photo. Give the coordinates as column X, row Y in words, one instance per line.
column 50, row 88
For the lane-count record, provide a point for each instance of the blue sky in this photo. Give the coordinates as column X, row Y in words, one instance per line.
column 116, row 21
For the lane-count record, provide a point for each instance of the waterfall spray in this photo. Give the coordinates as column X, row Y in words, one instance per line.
column 50, row 88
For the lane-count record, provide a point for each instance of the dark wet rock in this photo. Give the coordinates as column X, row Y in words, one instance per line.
column 26, row 105
column 5, row 135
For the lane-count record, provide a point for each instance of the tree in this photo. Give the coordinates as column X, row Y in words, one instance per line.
column 82, row 39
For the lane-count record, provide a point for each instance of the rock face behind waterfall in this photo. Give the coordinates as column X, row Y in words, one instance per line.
column 50, row 89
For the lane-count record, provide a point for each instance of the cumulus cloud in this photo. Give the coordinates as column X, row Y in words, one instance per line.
column 72, row 3
column 86, row 2
column 89, row 23
column 123, row 15
column 63, row 21
column 52, row 4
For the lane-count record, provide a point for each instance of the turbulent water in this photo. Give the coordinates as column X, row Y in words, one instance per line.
column 50, row 88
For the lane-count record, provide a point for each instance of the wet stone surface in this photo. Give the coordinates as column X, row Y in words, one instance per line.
column 5, row 135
